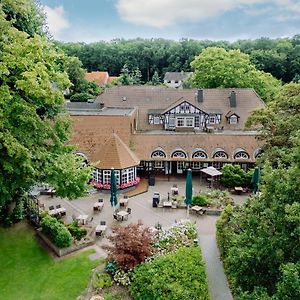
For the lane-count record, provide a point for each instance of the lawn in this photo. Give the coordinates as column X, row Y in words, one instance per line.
column 28, row 272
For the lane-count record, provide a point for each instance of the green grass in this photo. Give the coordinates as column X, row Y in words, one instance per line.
column 28, row 272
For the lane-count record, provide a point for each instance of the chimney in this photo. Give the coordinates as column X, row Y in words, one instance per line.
column 232, row 99
column 200, row 95
column 124, row 98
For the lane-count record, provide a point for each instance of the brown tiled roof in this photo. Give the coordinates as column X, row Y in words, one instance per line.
column 100, row 77
column 114, row 154
column 148, row 98
column 111, row 78
column 145, row 144
column 90, row 132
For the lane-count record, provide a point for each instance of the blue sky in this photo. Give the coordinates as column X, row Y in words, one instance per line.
column 94, row 20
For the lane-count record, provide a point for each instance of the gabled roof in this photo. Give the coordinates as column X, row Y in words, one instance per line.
column 177, row 76
column 114, row 154
column 111, row 78
column 100, row 77
column 151, row 97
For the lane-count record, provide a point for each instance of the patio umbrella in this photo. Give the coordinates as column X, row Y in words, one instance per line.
column 113, row 189
column 255, row 179
column 188, row 189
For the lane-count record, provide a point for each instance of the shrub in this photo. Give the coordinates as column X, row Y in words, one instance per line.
column 18, row 213
column 171, row 239
column 235, row 176
column 180, row 275
column 200, row 200
column 102, row 280
column 81, row 97
column 56, row 231
column 77, row 232
column 131, row 245
column 122, row 277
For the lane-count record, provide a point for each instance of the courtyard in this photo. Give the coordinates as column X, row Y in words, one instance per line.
column 142, row 210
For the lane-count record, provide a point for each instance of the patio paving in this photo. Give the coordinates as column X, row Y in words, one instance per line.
column 142, row 210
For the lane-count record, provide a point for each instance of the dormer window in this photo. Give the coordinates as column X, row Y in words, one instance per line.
column 233, row 119
column 156, row 120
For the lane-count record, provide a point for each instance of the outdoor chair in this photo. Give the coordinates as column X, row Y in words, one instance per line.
column 102, row 222
column 51, row 207
column 128, row 210
column 58, row 206
column 175, row 185
column 202, row 212
column 100, row 200
column 116, row 217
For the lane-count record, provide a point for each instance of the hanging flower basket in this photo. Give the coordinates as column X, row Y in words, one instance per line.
column 106, row 186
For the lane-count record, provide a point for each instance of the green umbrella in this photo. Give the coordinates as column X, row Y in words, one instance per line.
column 113, row 189
column 255, row 179
column 188, row 189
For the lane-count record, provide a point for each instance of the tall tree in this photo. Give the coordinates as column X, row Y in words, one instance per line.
column 33, row 127
column 216, row 67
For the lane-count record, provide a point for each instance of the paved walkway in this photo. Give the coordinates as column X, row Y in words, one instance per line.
column 142, row 209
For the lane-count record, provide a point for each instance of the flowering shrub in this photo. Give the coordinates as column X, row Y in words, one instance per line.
column 179, row 235
column 106, row 186
column 122, row 277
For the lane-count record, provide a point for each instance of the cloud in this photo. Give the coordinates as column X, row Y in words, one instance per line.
column 56, row 20
column 158, row 13
column 163, row 13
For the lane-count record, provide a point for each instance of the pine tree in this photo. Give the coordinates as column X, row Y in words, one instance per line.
column 155, row 78
column 125, row 76
column 136, row 76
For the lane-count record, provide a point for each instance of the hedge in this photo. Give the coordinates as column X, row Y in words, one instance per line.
column 179, row 275
column 56, row 231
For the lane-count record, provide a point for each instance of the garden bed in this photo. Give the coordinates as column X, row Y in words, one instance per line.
column 88, row 240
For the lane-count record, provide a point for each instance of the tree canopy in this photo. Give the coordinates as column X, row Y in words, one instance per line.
column 260, row 240
column 280, row 57
column 216, row 67
column 34, row 127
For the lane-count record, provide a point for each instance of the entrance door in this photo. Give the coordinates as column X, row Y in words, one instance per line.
column 180, row 167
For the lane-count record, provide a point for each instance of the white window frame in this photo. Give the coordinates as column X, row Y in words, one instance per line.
column 241, row 155
column 199, row 154
column 156, row 120
column 178, row 154
column 221, row 154
column 212, row 119
column 158, row 153
column 159, row 164
column 181, row 119
column 128, row 175
column 188, row 123
column 233, row 120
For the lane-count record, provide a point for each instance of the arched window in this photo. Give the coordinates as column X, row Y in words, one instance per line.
column 158, row 154
column 257, row 153
column 220, row 153
column 199, row 154
column 179, row 154
column 241, row 155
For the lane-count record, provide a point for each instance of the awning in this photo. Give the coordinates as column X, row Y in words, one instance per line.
column 211, row 171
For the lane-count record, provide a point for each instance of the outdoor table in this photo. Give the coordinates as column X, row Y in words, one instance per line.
column 61, row 211
column 167, row 204
column 124, row 202
column 53, row 212
column 82, row 219
column 197, row 208
column 98, row 205
column 100, row 229
column 174, row 190
column 122, row 214
column 238, row 189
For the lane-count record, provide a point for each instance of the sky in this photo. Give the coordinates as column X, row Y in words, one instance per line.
column 231, row 20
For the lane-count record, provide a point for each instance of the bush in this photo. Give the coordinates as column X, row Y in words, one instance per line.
column 81, row 97
column 200, row 200
column 102, row 280
column 18, row 213
column 181, row 234
column 77, row 232
column 131, row 245
column 180, row 275
column 233, row 175
column 56, row 231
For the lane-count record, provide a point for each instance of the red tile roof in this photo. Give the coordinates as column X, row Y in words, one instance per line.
column 100, row 77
